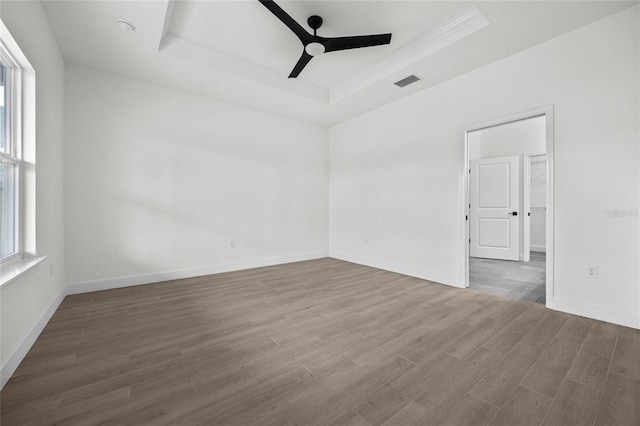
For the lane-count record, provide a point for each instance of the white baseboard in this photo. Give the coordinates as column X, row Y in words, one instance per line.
column 14, row 360
column 398, row 268
column 628, row 319
column 133, row 280
column 542, row 249
column 589, row 310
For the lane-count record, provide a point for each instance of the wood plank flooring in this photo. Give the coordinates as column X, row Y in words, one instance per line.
column 317, row 343
column 516, row 280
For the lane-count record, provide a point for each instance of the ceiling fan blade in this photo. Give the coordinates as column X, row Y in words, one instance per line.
column 332, row 44
column 291, row 23
column 302, row 62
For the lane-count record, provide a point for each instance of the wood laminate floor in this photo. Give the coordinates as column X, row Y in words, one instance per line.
column 516, row 280
column 317, row 343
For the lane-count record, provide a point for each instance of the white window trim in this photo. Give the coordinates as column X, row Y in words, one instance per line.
column 23, row 121
column 12, row 270
column 14, row 144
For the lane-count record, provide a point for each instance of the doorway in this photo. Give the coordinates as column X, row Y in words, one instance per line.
column 508, row 206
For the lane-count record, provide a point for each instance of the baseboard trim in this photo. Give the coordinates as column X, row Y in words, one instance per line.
column 398, row 268
column 628, row 319
column 12, row 363
column 542, row 249
column 14, row 360
column 597, row 312
column 133, row 280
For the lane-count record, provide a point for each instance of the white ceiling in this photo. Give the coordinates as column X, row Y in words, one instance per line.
column 237, row 51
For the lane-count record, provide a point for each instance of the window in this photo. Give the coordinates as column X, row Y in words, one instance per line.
column 10, row 161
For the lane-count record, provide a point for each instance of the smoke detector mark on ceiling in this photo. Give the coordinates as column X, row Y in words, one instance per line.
column 407, row 80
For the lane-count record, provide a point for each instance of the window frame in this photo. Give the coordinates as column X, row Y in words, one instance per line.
column 13, row 148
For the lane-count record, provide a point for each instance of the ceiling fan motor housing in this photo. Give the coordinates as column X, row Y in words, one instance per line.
column 314, row 22
column 314, row 48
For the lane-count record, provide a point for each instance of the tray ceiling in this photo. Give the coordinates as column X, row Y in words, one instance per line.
column 237, row 51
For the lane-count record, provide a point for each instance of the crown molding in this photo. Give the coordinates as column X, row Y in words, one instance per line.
column 445, row 34
column 244, row 68
column 460, row 26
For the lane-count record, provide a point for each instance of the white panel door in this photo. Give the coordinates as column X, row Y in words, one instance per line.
column 494, row 198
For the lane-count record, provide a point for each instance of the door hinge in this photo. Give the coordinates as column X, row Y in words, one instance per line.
column 469, row 240
column 466, row 218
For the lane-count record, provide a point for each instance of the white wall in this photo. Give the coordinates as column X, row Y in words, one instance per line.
column 520, row 137
column 28, row 301
column 396, row 172
column 160, row 182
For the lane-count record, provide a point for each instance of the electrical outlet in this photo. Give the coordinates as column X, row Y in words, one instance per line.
column 592, row 272
column 232, row 244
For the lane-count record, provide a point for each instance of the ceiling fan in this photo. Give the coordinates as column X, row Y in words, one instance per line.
column 315, row 45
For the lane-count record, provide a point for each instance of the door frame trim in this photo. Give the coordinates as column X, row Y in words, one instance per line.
column 526, row 207
column 547, row 112
column 528, row 159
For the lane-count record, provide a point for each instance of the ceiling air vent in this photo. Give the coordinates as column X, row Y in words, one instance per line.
column 407, row 80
